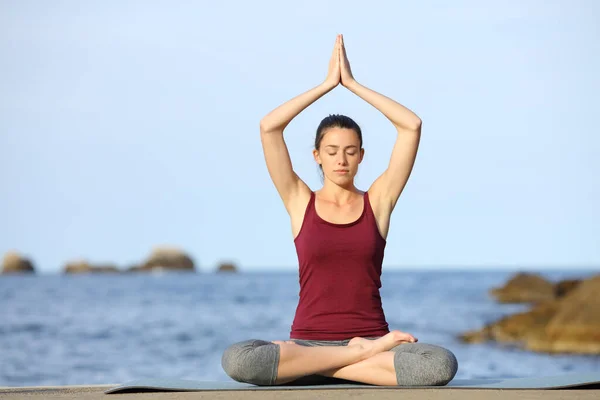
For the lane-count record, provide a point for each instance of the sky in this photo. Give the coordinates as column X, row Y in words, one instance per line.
column 130, row 124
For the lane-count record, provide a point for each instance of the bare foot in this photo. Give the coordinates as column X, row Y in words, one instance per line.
column 384, row 343
column 403, row 337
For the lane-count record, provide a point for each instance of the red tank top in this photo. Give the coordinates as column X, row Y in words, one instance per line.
column 340, row 271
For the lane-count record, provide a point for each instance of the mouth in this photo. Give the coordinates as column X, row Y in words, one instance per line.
column 341, row 171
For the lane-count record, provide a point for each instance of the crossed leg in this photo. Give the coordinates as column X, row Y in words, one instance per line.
column 388, row 360
column 376, row 370
column 408, row 364
column 298, row 361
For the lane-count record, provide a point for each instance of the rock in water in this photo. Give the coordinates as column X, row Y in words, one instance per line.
column 227, row 267
column 83, row 267
column 13, row 262
column 167, row 258
column 575, row 326
column 514, row 328
column 565, row 286
column 525, row 288
column 568, row 324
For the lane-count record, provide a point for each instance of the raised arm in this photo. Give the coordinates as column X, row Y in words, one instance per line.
column 277, row 157
column 387, row 188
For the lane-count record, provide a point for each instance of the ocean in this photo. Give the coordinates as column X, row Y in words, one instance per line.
column 110, row 329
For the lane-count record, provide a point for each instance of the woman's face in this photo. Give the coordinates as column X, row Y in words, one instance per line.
column 339, row 154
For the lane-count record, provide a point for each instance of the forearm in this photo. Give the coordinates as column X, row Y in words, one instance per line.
column 398, row 115
column 280, row 117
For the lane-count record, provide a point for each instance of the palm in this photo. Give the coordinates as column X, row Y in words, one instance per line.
column 345, row 71
column 333, row 74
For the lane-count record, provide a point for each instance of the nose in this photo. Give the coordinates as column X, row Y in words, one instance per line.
column 342, row 160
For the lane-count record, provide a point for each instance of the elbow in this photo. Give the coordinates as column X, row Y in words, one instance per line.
column 263, row 126
column 415, row 125
column 267, row 127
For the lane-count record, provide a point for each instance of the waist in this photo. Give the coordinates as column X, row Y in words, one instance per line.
column 319, row 323
column 312, row 333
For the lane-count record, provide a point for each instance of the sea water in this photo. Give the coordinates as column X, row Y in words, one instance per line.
column 110, row 329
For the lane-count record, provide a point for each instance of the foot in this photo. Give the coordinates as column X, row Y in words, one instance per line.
column 384, row 343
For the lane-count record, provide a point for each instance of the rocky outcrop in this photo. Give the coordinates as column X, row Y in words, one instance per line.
column 161, row 258
column 568, row 322
column 524, row 288
column 514, row 328
column 14, row 263
column 532, row 288
column 77, row 267
column 227, row 267
column 166, row 258
column 83, row 267
column 575, row 326
column 564, row 287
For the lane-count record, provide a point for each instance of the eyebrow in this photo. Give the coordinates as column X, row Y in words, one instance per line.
column 337, row 147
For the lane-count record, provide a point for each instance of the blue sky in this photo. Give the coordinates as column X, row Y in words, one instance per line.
column 130, row 124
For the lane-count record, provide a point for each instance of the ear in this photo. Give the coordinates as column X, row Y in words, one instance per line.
column 362, row 154
column 316, row 156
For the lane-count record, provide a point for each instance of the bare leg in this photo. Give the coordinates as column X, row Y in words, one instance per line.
column 297, row 361
column 376, row 370
column 410, row 364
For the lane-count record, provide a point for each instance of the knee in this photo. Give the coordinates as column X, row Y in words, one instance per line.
column 419, row 364
column 443, row 366
column 440, row 366
column 251, row 361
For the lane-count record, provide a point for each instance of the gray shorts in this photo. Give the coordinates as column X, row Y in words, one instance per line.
column 417, row 364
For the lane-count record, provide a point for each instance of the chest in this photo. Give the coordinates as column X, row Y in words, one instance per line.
column 336, row 214
column 326, row 244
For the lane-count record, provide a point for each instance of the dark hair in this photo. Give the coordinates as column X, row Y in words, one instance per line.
column 336, row 121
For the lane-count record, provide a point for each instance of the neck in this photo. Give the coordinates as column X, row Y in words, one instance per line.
column 337, row 193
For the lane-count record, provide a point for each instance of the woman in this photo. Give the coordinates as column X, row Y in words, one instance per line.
column 339, row 330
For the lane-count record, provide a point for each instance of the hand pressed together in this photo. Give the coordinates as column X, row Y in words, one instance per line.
column 339, row 66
